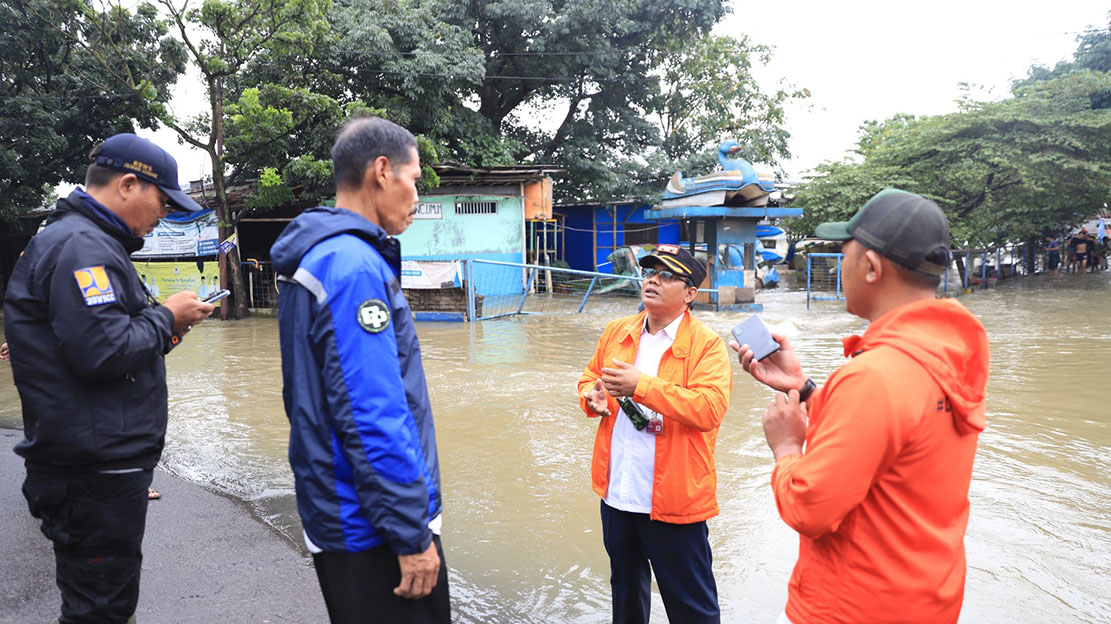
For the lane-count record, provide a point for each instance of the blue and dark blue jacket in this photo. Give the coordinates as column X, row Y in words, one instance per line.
column 362, row 444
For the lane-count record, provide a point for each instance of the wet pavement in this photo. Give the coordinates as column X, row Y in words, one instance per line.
column 205, row 559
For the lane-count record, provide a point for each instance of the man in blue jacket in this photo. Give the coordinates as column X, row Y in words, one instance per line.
column 87, row 344
column 362, row 443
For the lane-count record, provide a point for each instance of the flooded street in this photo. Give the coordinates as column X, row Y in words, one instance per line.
column 521, row 524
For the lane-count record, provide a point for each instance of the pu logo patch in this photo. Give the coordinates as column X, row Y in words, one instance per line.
column 668, row 249
column 94, row 284
column 374, row 315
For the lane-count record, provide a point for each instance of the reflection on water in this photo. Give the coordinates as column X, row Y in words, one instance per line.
column 521, row 523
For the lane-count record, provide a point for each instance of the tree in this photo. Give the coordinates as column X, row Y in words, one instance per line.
column 1093, row 52
column 1004, row 172
column 289, row 103
column 73, row 73
column 591, row 66
column 577, row 83
column 284, row 137
column 222, row 38
column 708, row 92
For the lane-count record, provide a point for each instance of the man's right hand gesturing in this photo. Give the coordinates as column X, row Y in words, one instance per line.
column 597, row 399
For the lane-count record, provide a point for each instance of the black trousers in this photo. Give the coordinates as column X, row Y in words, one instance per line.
column 358, row 589
column 96, row 522
column 679, row 554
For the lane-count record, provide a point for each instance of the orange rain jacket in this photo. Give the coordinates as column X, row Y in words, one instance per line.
column 691, row 391
column 880, row 494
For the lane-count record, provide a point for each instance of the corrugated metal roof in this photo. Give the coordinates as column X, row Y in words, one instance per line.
column 457, row 173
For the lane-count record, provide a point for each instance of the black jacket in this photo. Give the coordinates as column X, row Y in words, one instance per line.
column 87, row 347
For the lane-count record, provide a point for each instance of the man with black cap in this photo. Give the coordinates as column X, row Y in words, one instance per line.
column 660, row 381
column 873, row 469
column 87, row 346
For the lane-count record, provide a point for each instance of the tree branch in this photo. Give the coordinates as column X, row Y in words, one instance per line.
column 548, row 149
column 184, row 134
column 179, row 19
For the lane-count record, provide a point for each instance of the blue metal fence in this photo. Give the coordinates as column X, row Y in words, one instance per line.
column 810, row 282
column 529, row 286
column 974, row 267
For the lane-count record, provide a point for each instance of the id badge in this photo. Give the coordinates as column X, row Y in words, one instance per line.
column 655, row 426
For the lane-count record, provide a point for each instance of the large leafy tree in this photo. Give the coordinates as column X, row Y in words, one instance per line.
column 72, row 73
column 632, row 88
column 1003, row 171
column 283, row 137
column 289, row 103
column 619, row 93
column 222, row 38
column 708, row 90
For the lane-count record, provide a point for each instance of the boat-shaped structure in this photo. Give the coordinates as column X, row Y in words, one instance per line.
column 737, row 184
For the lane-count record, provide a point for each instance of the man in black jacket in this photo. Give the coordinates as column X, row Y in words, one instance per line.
column 87, row 346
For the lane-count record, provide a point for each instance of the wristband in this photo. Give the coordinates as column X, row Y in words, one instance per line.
column 807, row 389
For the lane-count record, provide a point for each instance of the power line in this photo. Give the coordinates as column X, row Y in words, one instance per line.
column 638, row 51
column 66, row 97
column 502, row 77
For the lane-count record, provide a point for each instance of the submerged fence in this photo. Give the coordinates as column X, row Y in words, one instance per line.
column 496, row 289
column 823, row 272
column 968, row 270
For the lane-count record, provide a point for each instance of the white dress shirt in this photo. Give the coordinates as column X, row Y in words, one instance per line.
column 632, row 452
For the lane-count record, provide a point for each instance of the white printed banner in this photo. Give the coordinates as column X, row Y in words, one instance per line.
column 182, row 235
column 421, row 274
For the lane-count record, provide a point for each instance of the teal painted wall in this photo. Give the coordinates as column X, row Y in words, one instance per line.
column 492, row 236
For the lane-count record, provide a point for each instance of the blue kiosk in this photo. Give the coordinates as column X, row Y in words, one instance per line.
column 721, row 210
column 718, row 227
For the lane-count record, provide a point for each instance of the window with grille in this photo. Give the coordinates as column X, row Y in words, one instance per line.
column 641, row 234
column 476, row 208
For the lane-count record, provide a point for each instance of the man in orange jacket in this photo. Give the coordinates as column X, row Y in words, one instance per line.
column 660, row 380
column 876, row 480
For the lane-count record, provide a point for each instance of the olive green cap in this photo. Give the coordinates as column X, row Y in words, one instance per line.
column 902, row 226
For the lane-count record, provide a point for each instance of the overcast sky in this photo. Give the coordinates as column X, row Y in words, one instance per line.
column 864, row 60
column 861, row 60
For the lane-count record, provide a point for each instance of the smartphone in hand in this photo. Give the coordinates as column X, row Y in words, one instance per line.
column 754, row 333
column 216, row 296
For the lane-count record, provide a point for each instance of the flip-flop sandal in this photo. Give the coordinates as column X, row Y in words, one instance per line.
column 152, row 494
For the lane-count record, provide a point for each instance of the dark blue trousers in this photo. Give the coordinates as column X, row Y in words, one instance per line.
column 679, row 554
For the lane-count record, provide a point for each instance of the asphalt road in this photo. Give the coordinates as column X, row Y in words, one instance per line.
column 205, row 559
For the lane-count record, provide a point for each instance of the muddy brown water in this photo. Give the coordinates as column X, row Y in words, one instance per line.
column 521, row 523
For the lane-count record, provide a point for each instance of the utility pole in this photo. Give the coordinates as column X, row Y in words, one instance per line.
column 222, row 228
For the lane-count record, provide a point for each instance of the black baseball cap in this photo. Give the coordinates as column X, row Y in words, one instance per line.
column 902, row 226
column 677, row 260
column 133, row 154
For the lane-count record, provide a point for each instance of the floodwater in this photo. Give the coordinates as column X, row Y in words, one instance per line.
column 521, row 526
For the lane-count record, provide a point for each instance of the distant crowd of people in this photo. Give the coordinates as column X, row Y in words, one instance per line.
column 1085, row 253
